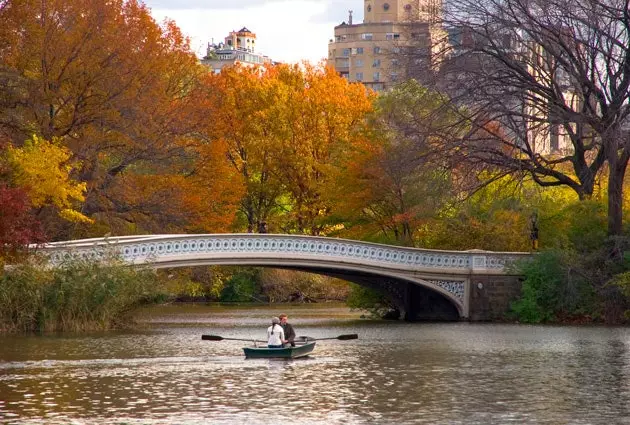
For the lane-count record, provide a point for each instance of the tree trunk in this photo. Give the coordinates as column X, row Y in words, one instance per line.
column 618, row 164
column 615, row 202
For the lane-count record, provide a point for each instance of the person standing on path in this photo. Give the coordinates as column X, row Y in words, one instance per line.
column 289, row 333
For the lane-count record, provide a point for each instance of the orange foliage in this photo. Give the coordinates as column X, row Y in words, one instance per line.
column 285, row 126
column 119, row 91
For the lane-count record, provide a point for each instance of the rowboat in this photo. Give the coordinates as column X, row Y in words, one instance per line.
column 300, row 350
column 303, row 346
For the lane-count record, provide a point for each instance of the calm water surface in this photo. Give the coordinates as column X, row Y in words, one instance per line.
column 395, row 373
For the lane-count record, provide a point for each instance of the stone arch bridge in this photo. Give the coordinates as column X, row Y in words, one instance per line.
column 424, row 284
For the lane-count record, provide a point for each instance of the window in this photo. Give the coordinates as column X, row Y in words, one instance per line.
column 394, row 76
column 377, row 50
column 358, row 63
column 377, row 76
column 376, row 63
column 366, row 36
column 395, row 62
column 392, row 36
column 359, row 50
column 386, row 6
column 359, row 76
column 396, row 50
column 346, row 52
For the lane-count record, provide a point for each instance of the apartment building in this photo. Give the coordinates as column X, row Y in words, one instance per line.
column 238, row 47
column 398, row 39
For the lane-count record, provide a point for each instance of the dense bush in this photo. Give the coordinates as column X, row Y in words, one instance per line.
column 370, row 300
column 79, row 295
column 293, row 286
column 242, row 286
column 570, row 286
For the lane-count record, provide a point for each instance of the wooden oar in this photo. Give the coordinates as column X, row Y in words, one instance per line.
column 340, row 337
column 220, row 338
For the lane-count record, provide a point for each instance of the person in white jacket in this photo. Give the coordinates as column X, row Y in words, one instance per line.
column 275, row 334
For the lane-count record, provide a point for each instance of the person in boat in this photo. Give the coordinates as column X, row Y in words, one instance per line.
column 289, row 333
column 275, row 334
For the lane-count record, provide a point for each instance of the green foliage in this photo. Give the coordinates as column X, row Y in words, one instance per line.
column 587, row 230
column 622, row 281
column 81, row 294
column 543, row 277
column 195, row 283
column 370, row 300
column 555, row 288
column 242, row 286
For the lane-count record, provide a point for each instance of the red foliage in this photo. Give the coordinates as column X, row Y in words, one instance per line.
column 18, row 227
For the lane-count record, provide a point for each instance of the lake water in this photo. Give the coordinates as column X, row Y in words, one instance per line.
column 395, row 373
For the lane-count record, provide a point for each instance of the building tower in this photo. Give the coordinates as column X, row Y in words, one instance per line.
column 375, row 52
column 238, row 47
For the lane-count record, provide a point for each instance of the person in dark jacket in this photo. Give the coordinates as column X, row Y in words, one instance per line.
column 289, row 333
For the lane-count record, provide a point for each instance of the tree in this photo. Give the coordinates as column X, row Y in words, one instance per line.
column 239, row 100
column 18, row 227
column 108, row 83
column 284, row 127
column 391, row 181
column 545, row 69
column 322, row 115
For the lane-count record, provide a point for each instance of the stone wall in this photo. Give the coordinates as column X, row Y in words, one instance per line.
column 490, row 296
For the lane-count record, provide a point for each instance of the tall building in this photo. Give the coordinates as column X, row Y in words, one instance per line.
column 397, row 40
column 238, row 47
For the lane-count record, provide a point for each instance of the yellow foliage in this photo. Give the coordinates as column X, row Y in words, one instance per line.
column 74, row 216
column 43, row 169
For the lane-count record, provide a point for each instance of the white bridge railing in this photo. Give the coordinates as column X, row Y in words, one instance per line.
column 179, row 250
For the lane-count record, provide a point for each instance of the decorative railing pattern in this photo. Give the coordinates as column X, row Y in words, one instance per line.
column 454, row 287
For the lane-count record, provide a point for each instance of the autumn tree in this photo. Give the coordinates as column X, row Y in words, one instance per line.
column 113, row 86
column 239, row 100
column 392, row 184
column 322, row 115
column 283, row 127
column 18, row 226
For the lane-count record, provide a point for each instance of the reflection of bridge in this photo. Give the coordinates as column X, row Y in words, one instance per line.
column 424, row 284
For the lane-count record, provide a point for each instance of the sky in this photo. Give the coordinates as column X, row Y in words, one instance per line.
column 286, row 30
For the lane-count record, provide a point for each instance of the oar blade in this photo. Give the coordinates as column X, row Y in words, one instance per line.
column 347, row 337
column 211, row 338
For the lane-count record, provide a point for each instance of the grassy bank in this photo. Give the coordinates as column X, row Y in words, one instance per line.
column 79, row 295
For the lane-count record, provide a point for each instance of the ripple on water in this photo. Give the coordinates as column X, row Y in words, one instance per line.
column 395, row 373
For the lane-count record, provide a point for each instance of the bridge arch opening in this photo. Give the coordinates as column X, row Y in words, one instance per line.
column 413, row 300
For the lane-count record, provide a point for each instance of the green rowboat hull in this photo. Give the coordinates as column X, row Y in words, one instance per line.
column 299, row 350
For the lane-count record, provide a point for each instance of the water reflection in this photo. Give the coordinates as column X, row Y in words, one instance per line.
column 395, row 373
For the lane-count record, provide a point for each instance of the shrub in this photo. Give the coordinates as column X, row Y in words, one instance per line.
column 242, row 286
column 555, row 286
